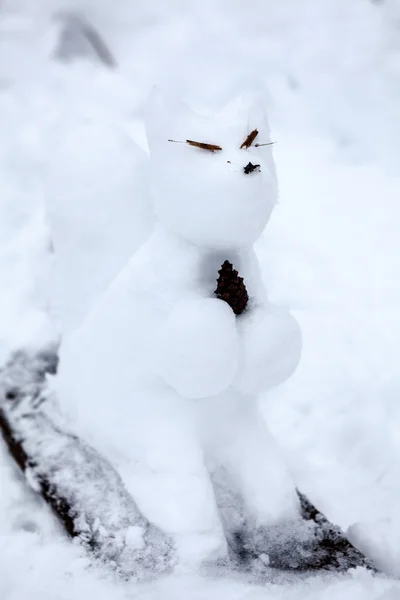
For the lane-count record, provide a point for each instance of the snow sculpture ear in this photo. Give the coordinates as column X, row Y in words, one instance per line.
column 257, row 116
column 156, row 116
column 163, row 119
column 168, row 118
column 248, row 111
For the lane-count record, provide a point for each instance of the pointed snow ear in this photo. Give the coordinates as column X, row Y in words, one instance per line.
column 155, row 118
column 258, row 119
column 248, row 111
column 164, row 118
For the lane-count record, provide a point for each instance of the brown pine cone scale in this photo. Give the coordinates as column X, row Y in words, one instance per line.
column 231, row 288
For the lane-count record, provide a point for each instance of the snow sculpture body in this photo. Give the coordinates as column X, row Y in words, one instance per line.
column 167, row 374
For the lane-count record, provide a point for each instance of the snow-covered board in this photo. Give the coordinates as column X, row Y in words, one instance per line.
column 82, row 488
column 89, row 497
column 334, row 550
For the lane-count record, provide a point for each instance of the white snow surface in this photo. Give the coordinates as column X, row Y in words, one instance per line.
column 330, row 252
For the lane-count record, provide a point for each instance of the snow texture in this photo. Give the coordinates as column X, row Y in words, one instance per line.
column 93, row 506
column 330, row 253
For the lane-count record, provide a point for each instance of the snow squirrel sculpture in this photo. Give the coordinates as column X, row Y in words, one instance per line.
column 166, row 376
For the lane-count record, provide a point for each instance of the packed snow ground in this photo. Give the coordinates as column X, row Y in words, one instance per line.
column 330, row 253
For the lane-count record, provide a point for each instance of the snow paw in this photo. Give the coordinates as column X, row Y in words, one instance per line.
column 270, row 349
column 145, row 552
column 379, row 540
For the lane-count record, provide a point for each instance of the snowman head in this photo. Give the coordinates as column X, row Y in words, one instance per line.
column 213, row 178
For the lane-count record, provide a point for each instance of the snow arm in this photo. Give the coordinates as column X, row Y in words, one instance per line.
column 270, row 347
column 198, row 348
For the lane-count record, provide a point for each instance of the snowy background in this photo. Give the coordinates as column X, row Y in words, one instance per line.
column 331, row 252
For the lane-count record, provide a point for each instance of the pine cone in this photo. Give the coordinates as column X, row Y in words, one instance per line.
column 231, row 289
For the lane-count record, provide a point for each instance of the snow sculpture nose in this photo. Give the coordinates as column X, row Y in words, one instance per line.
column 250, row 168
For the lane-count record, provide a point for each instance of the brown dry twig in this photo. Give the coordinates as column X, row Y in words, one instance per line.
column 267, row 144
column 250, row 139
column 202, row 145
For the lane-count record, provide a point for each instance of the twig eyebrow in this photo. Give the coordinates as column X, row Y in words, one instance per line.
column 250, row 139
column 202, row 145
